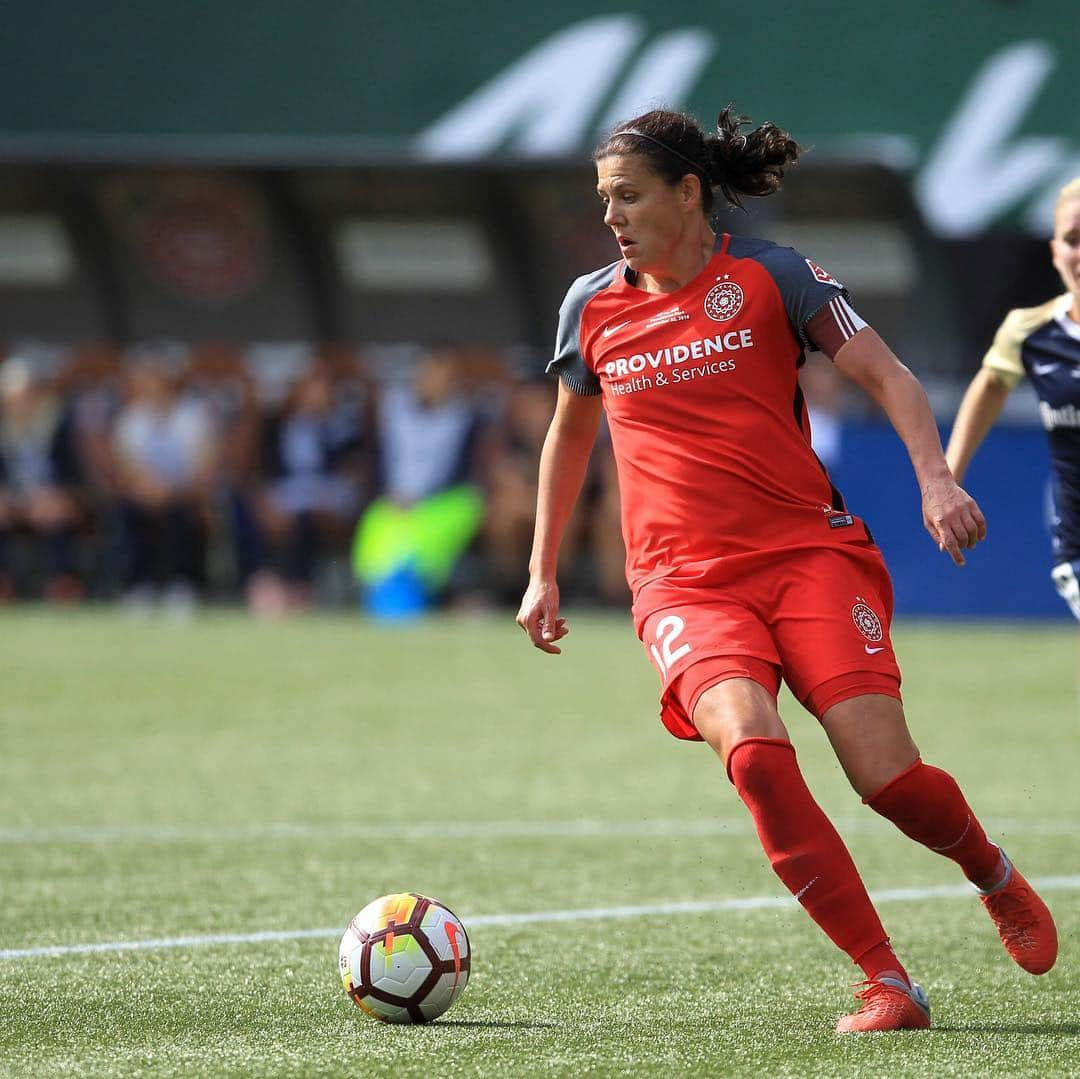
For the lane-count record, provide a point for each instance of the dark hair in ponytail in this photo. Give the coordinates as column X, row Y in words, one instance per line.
column 734, row 162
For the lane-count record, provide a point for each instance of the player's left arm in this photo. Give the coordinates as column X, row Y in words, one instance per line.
column 951, row 515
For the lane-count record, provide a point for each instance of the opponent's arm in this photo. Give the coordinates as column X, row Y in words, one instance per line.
column 950, row 515
column 980, row 408
column 563, row 462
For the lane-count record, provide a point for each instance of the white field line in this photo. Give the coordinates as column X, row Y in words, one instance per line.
column 478, row 921
column 664, row 828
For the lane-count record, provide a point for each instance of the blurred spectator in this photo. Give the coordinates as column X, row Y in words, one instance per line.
column 605, row 524
column 39, row 480
column 592, row 557
column 511, row 480
column 219, row 379
column 91, row 382
column 410, row 540
column 165, row 462
column 314, row 464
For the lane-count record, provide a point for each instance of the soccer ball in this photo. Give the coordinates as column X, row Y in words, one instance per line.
column 404, row 958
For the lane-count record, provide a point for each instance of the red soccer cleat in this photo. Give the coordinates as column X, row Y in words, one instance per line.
column 1022, row 920
column 888, row 1004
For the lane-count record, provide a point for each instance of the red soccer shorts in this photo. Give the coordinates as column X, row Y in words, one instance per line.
column 818, row 617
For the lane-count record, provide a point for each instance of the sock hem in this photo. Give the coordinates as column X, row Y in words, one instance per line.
column 870, row 799
column 751, row 741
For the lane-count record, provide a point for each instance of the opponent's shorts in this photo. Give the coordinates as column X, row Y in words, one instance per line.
column 1068, row 585
column 819, row 618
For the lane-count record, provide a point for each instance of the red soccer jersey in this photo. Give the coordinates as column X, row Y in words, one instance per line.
column 708, row 423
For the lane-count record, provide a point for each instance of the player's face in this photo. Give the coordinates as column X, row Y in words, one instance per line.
column 1065, row 246
column 647, row 214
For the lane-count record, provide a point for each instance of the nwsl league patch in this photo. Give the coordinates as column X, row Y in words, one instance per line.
column 821, row 275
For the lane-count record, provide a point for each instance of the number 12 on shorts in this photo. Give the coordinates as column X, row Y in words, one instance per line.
column 667, row 655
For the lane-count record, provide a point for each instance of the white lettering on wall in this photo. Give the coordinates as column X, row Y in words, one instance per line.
column 547, row 102
column 542, row 103
column 664, row 73
column 974, row 173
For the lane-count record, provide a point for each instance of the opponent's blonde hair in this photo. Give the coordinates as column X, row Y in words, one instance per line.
column 1070, row 191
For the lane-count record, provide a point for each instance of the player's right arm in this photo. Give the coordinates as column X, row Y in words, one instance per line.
column 563, row 462
column 1001, row 370
column 979, row 410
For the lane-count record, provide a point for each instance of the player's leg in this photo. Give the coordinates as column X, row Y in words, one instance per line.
column 832, row 627
column 829, row 613
column 720, row 675
column 831, row 623
column 1067, row 582
column 739, row 720
column 740, row 710
column 870, row 735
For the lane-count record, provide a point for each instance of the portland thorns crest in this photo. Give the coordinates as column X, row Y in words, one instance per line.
column 724, row 301
column 866, row 622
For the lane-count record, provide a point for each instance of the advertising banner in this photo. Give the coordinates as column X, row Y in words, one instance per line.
column 973, row 100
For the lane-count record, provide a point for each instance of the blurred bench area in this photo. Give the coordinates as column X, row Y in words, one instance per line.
column 282, row 476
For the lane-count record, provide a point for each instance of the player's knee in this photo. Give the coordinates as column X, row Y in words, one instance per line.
column 870, row 736
column 734, row 710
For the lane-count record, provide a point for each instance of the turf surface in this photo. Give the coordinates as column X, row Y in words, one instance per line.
column 225, row 777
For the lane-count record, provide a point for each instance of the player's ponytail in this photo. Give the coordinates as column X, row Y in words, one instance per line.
column 747, row 163
column 731, row 161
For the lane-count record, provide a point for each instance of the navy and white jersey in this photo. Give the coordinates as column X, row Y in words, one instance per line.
column 1043, row 343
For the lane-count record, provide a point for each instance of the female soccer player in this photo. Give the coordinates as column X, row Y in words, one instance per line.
column 744, row 563
column 1043, row 343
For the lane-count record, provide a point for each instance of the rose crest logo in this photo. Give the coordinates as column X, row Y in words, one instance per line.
column 724, row 301
column 866, row 622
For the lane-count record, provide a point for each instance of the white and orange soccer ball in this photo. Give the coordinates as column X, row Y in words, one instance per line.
column 404, row 958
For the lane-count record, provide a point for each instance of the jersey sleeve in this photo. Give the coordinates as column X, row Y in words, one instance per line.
column 818, row 306
column 1003, row 356
column 568, row 362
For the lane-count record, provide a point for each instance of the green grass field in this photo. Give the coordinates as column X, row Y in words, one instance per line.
column 160, row 781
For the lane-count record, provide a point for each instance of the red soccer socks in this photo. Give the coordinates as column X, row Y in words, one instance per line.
column 881, row 960
column 807, row 853
column 926, row 804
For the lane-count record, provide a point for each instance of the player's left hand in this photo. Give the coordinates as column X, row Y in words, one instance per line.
column 952, row 517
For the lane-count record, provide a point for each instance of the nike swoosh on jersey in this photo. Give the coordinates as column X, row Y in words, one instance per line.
column 609, row 330
column 873, row 651
column 1044, row 368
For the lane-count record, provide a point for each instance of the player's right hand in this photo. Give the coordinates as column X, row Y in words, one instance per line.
column 538, row 615
column 952, row 517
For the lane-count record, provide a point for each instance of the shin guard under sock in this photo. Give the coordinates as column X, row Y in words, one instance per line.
column 806, row 851
column 926, row 804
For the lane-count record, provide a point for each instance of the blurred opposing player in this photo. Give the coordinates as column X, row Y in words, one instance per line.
column 744, row 563
column 1042, row 343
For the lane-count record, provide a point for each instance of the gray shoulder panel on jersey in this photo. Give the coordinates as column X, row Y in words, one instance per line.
column 804, row 287
column 568, row 363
